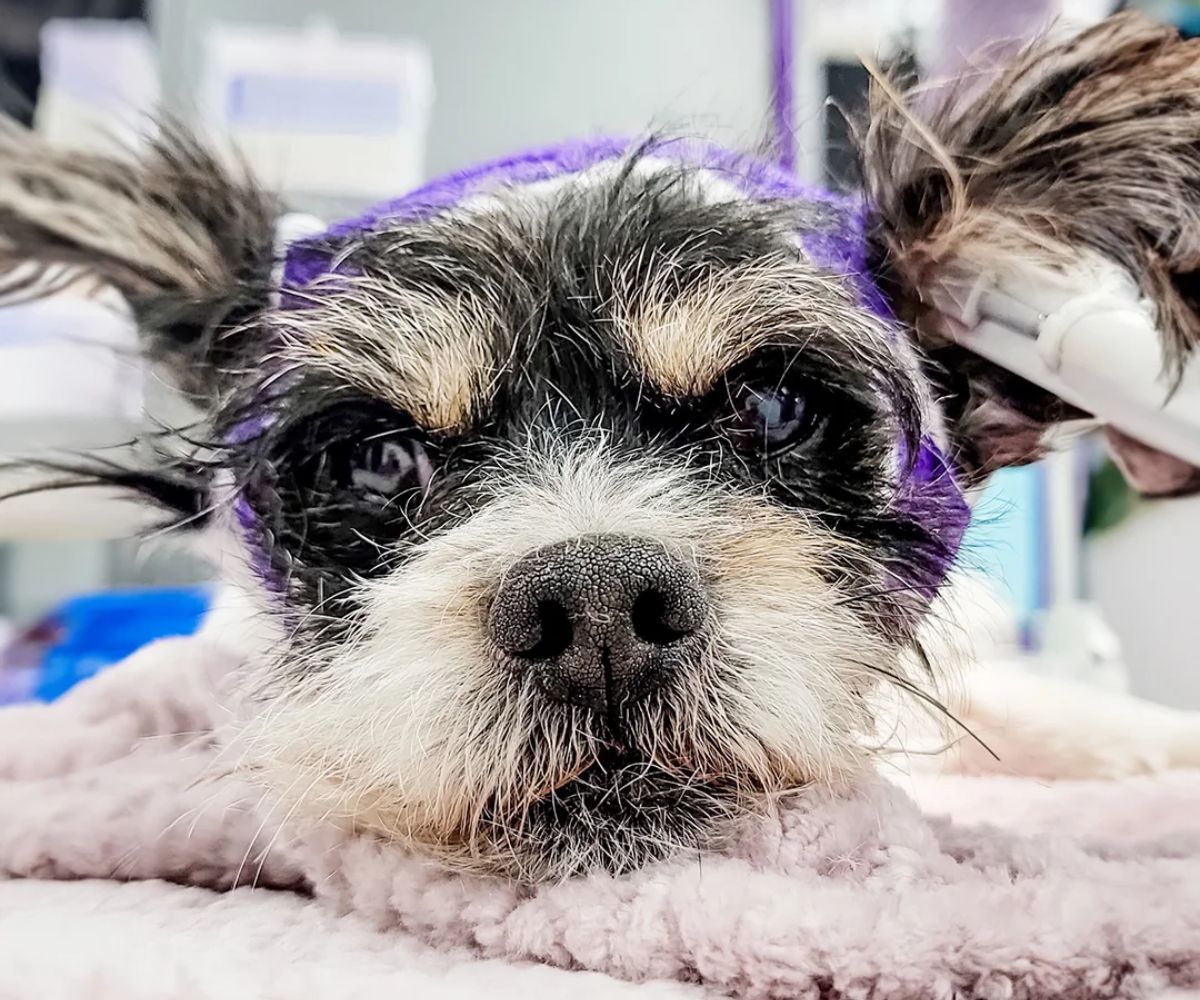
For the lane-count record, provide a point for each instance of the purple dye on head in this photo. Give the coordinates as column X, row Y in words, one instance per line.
column 251, row 533
column 841, row 249
column 930, row 496
column 249, row 429
column 247, row 519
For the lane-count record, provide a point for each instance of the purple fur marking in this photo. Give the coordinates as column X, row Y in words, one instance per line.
column 244, row 513
column 930, row 495
column 842, row 249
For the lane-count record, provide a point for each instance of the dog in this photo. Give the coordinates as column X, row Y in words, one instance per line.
column 586, row 497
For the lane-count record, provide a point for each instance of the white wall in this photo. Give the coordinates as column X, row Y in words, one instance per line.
column 515, row 73
column 1145, row 574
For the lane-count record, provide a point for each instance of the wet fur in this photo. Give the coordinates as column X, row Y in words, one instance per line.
column 1090, row 143
column 186, row 239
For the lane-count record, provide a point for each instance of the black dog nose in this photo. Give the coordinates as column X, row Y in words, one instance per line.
column 600, row 621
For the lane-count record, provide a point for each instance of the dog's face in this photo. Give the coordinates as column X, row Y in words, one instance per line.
column 582, row 518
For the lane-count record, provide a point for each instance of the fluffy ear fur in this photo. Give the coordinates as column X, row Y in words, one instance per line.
column 1089, row 143
column 187, row 242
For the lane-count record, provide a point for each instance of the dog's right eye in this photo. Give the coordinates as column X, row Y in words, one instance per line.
column 385, row 467
column 348, row 455
column 375, row 470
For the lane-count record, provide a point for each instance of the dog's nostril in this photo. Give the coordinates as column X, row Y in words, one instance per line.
column 556, row 632
column 650, row 620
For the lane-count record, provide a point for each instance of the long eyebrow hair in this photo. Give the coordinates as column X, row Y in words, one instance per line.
column 645, row 267
column 427, row 351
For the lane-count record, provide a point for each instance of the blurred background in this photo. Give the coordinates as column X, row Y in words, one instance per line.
column 338, row 104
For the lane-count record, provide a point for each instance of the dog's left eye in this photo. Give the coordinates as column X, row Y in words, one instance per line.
column 769, row 419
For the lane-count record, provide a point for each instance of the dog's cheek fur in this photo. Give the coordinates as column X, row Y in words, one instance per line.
column 412, row 729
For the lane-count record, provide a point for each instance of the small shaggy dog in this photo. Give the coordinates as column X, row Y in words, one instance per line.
column 587, row 495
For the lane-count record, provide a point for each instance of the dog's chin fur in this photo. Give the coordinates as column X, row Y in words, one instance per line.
column 622, row 813
column 410, row 725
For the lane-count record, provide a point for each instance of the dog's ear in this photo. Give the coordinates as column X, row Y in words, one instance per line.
column 184, row 238
column 1089, row 144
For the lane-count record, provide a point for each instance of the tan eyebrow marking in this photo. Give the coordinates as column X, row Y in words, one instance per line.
column 429, row 355
column 684, row 341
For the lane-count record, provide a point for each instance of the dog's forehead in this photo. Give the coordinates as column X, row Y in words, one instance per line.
column 637, row 267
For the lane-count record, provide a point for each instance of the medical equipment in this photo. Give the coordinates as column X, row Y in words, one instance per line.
column 1088, row 337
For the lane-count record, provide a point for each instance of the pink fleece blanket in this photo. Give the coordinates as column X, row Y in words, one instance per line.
column 971, row 887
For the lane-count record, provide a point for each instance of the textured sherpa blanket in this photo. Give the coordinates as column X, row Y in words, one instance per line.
column 1077, row 890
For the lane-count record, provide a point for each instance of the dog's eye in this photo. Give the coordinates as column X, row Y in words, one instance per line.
column 387, row 466
column 769, row 419
column 374, row 469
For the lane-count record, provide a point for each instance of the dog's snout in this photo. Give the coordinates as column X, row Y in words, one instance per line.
column 598, row 621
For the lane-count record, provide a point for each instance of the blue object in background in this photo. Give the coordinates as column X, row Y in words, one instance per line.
column 1184, row 14
column 93, row 631
column 1006, row 540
